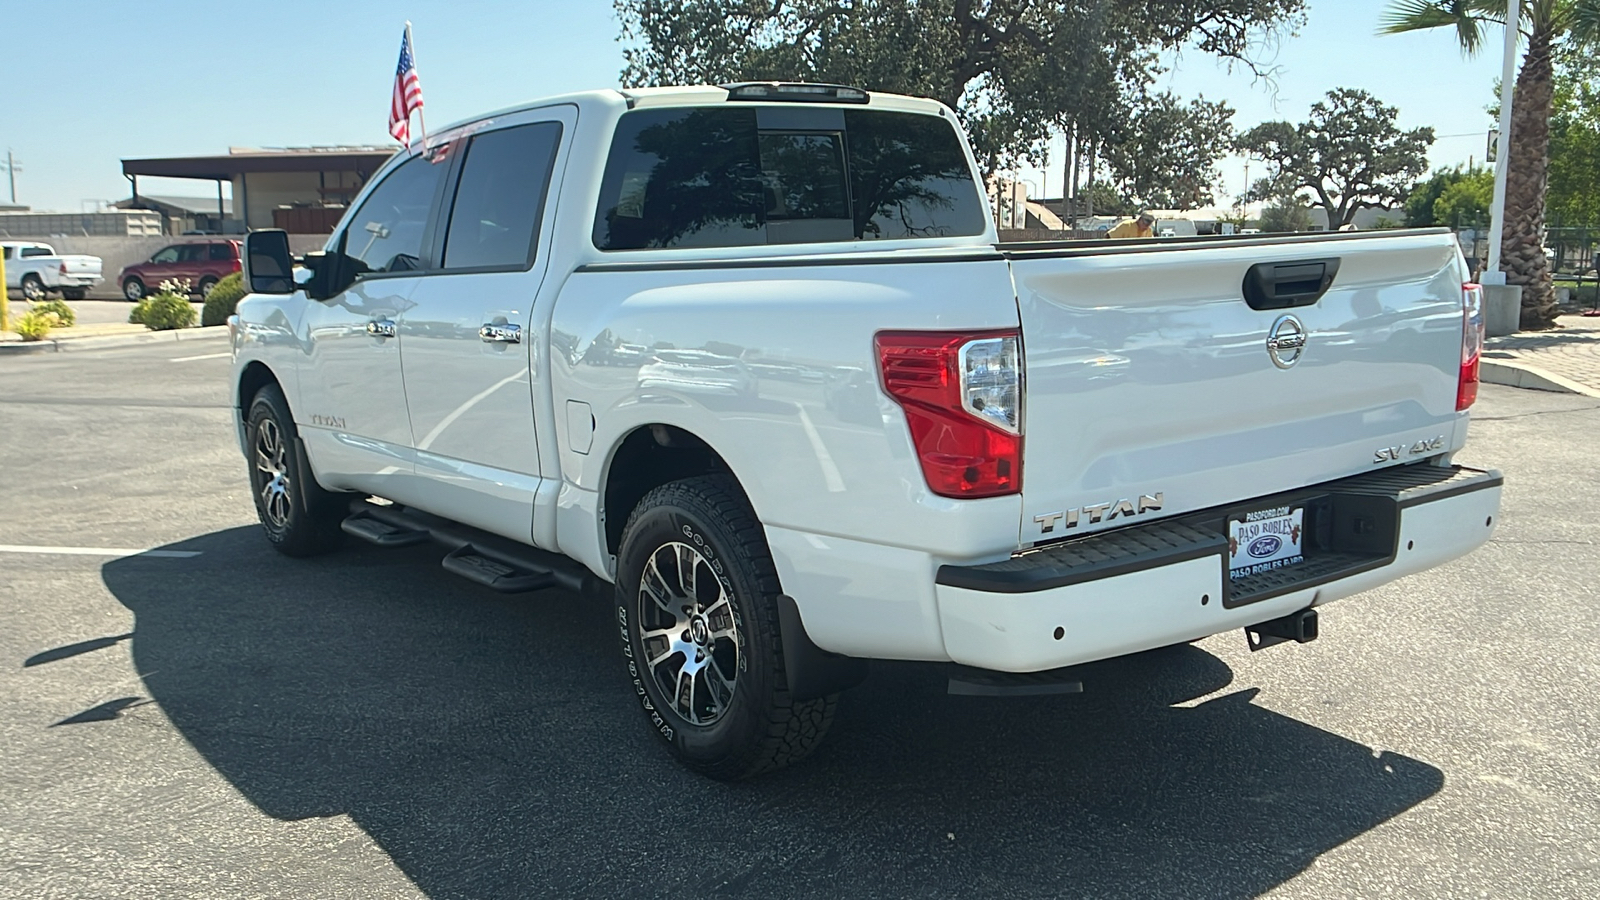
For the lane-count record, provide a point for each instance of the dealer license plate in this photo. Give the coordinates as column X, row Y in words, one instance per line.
column 1264, row 540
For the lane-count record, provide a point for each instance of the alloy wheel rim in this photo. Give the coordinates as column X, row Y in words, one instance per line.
column 132, row 291
column 690, row 637
column 31, row 291
column 272, row 471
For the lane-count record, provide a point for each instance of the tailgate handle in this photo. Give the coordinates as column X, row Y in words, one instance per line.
column 1283, row 285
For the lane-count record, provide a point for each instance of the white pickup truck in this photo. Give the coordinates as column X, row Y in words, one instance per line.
column 752, row 355
column 38, row 271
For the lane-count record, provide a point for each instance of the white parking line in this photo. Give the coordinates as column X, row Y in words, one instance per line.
column 96, row 551
column 202, row 356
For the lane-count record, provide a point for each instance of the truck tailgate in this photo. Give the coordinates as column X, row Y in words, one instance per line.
column 1151, row 389
column 81, row 265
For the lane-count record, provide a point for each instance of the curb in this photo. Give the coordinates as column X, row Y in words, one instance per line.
column 112, row 340
column 1532, row 378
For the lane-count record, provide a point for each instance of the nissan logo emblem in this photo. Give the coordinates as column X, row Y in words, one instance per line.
column 1286, row 342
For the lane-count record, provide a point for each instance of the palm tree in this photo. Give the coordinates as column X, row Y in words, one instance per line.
column 1545, row 23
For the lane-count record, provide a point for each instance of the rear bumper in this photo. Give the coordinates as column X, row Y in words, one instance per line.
column 78, row 281
column 1167, row 582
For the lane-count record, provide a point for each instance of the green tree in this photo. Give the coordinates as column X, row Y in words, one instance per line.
column 1285, row 214
column 1548, row 26
column 1350, row 155
column 1465, row 202
column 1012, row 69
column 1419, row 204
column 1573, row 196
column 1165, row 155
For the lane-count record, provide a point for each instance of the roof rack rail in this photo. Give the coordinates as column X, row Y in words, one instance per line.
column 795, row 92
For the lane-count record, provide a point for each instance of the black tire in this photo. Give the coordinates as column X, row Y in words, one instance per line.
column 133, row 290
column 74, row 293
column 206, row 284
column 33, row 288
column 299, row 517
column 758, row 728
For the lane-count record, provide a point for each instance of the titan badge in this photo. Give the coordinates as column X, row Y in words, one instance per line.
column 1096, row 513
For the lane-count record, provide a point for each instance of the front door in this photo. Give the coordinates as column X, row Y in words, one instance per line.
column 469, row 337
column 352, row 412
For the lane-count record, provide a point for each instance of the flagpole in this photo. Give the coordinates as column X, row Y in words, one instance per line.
column 1491, row 273
column 422, row 123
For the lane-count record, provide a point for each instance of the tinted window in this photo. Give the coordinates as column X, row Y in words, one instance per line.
column 222, row 252
column 385, row 232
column 718, row 177
column 7, row 252
column 192, row 253
column 682, row 178
column 37, row 251
column 500, row 197
column 165, row 255
column 909, row 177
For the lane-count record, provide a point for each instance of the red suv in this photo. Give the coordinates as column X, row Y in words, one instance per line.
column 203, row 264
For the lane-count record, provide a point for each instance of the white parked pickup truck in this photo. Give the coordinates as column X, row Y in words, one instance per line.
column 38, row 271
column 752, row 355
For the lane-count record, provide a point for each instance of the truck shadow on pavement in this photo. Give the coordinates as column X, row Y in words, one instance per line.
column 492, row 748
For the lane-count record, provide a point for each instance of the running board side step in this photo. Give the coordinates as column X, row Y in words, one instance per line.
column 376, row 531
column 500, row 564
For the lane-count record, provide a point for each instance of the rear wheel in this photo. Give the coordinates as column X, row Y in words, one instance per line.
column 299, row 517
column 133, row 289
column 32, row 288
column 697, row 607
column 74, row 293
column 206, row 284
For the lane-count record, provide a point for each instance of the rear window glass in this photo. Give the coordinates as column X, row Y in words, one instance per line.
column 37, row 251
column 722, row 177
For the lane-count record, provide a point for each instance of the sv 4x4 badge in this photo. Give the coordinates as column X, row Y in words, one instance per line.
column 1402, row 451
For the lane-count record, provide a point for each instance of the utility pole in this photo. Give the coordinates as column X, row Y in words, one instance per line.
column 11, row 170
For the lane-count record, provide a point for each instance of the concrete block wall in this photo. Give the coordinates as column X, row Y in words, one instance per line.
column 116, row 252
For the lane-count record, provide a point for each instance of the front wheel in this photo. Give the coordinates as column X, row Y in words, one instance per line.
column 298, row 516
column 133, row 289
column 697, row 608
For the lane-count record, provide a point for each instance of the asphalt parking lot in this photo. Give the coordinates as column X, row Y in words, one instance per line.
column 219, row 721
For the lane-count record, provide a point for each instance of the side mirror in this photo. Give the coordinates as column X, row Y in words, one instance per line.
column 268, row 267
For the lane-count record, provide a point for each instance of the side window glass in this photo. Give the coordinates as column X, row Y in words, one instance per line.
column 221, row 252
column 500, row 196
column 385, row 233
column 165, row 255
column 193, row 253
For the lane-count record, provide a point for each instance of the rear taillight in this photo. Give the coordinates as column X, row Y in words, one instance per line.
column 63, row 268
column 962, row 396
column 1471, row 345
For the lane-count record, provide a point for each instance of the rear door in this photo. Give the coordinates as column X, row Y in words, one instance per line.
column 469, row 339
column 1152, row 389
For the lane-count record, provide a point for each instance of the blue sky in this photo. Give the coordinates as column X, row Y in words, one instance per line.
column 114, row 79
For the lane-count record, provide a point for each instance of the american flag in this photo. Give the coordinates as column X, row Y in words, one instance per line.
column 407, row 92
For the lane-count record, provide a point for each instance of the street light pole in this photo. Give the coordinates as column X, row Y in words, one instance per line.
column 1508, row 73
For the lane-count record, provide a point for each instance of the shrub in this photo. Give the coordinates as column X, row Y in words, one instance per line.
column 223, row 300
column 164, row 311
column 35, row 324
column 63, row 312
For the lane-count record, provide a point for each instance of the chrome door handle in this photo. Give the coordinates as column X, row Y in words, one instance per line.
column 381, row 328
column 491, row 333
